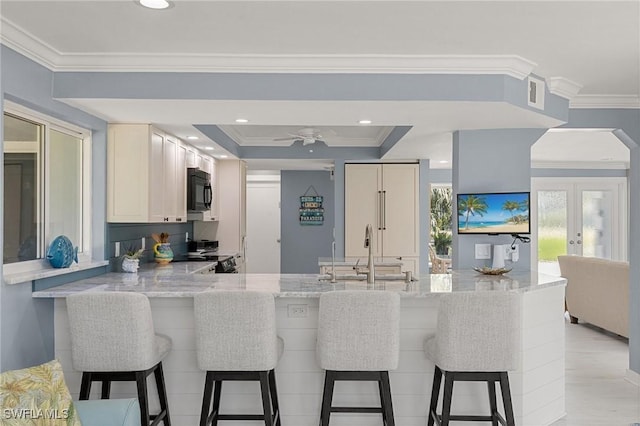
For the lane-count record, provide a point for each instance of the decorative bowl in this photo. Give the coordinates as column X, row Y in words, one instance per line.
column 491, row 271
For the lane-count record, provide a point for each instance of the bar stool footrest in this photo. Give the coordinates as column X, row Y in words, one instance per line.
column 356, row 409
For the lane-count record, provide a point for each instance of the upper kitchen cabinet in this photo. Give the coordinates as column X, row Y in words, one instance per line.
column 146, row 175
column 387, row 197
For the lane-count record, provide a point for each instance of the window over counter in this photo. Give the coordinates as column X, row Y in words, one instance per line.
column 47, row 175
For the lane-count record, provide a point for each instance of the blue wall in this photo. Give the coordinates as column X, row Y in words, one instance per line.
column 26, row 324
column 301, row 246
column 491, row 161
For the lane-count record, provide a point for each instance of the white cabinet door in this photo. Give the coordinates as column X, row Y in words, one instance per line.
column 128, row 158
column 169, row 171
column 156, row 180
column 400, row 210
column 181, row 183
column 363, row 186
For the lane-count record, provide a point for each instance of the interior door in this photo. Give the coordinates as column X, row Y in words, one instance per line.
column 263, row 225
column 585, row 217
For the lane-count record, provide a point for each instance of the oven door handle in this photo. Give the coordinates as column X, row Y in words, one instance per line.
column 207, row 195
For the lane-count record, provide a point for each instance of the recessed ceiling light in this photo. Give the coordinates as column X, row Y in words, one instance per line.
column 223, row 156
column 364, row 122
column 209, row 148
column 155, row 4
column 444, row 161
column 192, row 138
column 241, row 120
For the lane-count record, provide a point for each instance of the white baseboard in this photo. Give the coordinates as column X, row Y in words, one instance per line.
column 633, row 377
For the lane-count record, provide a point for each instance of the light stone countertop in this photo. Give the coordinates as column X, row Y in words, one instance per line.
column 183, row 280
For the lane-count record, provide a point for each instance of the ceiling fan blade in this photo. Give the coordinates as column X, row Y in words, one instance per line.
column 286, row 139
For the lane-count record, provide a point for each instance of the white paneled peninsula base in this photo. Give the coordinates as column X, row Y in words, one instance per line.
column 537, row 387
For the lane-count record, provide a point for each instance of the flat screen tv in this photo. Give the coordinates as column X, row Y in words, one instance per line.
column 494, row 213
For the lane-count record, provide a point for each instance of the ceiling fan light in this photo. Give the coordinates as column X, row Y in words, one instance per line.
column 155, row 4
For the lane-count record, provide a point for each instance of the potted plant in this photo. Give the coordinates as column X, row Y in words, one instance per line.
column 131, row 259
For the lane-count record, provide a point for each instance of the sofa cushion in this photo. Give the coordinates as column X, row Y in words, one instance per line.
column 37, row 395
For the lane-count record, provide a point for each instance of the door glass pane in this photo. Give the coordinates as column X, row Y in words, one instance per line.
column 22, row 144
column 596, row 223
column 552, row 230
column 65, row 186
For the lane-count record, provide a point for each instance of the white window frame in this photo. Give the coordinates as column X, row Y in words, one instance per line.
column 50, row 123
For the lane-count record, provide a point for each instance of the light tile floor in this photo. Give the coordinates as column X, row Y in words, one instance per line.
column 597, row 393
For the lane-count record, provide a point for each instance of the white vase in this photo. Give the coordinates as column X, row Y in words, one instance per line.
column 130, row 265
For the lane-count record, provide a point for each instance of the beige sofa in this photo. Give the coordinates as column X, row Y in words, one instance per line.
column 597, row 292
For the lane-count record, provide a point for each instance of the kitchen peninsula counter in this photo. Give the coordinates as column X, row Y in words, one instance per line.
column 537, row 387
column 184, row 279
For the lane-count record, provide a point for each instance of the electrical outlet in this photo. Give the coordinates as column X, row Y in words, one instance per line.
column 297, row 311
column 483, row 251
column 116, row 251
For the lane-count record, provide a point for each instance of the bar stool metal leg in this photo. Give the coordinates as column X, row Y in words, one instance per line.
column 387, row 404
column 446, row 402
column 206, row 399
column 266, row 398
column 435, row 394
column 141, row 384
column 327, row 396
column 491, row 385
column 106, row 389
column 162, row 395
column 85, row 386
column 217, row 391
column 274, row 396
column 506, row 398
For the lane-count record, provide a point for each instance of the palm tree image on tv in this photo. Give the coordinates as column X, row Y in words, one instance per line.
column 471, row 205
column 493, row 213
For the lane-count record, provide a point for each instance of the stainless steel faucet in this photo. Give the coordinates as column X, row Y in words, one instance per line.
column 368, row 243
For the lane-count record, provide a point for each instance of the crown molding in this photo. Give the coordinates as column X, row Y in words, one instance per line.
column 563, row 87
column 605, row 101
column 605, row 165
column 17, row 39
column 26, row 44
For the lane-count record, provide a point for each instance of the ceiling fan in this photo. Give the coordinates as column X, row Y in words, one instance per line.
column 307, row 135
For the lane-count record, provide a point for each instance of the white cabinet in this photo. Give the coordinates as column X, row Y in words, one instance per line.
column 146, row 173
column 387, row 197
column 232, row 229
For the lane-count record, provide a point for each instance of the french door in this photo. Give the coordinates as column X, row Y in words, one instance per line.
column 580, row 216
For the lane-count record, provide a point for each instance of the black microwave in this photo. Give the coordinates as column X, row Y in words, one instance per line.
column 199, row 192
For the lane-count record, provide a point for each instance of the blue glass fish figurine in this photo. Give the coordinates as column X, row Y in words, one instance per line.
column 61, row 252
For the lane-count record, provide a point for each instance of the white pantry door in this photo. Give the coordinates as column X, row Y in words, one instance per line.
column 263, row 227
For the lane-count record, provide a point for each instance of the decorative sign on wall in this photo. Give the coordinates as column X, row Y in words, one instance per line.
column 311, row 211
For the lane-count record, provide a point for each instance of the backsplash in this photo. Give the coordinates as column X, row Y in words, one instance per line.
column 131, row 234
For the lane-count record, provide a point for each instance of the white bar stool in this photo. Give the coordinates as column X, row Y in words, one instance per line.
column 358, row 339
column 476, row 340
column 113, row 339
column 236, row 340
